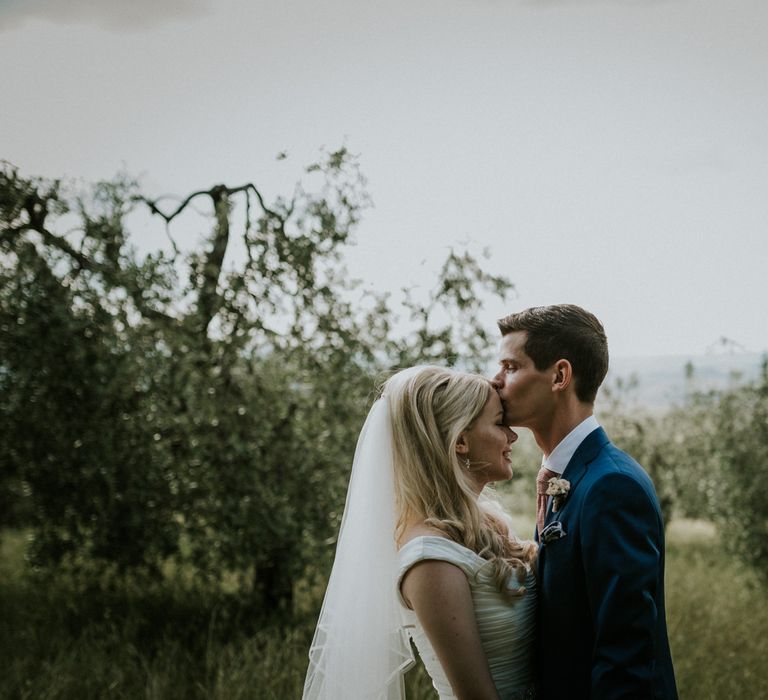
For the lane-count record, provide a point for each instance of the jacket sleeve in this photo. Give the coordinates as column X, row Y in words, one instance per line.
column 622, row 541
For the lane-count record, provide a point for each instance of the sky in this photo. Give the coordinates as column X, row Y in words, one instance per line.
column 608, row 153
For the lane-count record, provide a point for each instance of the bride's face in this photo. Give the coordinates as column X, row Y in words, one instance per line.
column 488, row 443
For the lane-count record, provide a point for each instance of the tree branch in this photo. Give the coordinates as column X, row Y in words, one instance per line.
column 83, row 262
column 248, row 186
column 152, row 204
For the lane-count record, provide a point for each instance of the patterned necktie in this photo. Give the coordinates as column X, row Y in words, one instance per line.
column 542, row 481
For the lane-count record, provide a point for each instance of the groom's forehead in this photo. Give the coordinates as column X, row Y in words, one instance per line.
column 512, row 346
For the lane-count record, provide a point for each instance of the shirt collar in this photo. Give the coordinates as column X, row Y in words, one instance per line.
column 558, row 459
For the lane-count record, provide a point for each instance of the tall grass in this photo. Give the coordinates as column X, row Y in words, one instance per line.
column 717, row 613
column 167, row 643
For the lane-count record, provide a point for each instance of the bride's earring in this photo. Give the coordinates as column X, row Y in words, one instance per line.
column 465, row 461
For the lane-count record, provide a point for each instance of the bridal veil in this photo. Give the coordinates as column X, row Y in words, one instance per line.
column 360, row 649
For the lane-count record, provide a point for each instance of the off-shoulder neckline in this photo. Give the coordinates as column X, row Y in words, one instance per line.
column 440, row 539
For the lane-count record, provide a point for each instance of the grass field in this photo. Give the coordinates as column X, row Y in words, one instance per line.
column 170, row 644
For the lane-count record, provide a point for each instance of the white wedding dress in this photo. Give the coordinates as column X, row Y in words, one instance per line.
column 506, row 627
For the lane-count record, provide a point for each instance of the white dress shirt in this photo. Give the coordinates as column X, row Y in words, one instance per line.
column 558, row 459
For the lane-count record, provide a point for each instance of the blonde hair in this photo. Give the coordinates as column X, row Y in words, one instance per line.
column 429, row 408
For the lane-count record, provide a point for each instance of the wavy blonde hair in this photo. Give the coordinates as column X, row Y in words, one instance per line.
column 429, row 408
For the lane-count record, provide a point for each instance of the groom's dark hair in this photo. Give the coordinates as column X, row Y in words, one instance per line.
column 567, row 332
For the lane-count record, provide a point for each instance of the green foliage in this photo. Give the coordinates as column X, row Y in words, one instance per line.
column 719, row 443
column 71, row 403
column 448, row 327
column 196, row 412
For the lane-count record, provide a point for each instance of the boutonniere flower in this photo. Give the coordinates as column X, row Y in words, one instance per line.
column 558, row 489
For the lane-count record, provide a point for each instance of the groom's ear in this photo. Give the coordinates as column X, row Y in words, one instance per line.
column 563, row 375
column 462, row 445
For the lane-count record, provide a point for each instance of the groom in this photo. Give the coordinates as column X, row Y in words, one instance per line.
column 602, row 627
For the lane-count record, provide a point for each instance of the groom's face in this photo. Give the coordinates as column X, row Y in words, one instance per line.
column 526, row 392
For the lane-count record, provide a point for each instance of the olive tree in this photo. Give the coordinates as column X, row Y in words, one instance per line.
column 195, row 408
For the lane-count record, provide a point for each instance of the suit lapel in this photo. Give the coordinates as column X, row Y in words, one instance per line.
column 577, row 466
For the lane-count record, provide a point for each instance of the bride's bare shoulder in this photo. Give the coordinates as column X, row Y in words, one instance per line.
column 419, row 529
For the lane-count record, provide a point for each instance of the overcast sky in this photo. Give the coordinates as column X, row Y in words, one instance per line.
column 612, row 153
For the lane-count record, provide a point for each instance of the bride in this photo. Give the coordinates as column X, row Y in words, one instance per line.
column 424, row 554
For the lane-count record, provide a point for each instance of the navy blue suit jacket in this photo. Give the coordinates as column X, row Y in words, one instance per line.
column 602, row 625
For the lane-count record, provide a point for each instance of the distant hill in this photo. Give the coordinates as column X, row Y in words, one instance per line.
column 662, row 380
